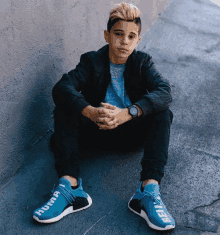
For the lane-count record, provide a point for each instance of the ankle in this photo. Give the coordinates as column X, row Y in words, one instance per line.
column 149, row 181
column 72, row 180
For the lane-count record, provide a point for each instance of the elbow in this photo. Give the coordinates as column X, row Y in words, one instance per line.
column 171, row 99
column 55, row 94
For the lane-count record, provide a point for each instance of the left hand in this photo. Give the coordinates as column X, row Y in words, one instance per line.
column 117, row 115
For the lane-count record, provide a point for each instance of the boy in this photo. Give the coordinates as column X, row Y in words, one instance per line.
column 123, row 102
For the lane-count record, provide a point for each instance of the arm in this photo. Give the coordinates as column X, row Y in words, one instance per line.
column 159, row 96
column 66, row 94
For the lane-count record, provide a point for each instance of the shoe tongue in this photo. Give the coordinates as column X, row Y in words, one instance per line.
column 64, row 183
column 152, row 188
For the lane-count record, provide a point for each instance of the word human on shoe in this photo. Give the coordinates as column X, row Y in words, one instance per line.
column 64, row 201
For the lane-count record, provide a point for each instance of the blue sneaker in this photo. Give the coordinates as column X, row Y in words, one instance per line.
column 64, row 201
column 148, row 204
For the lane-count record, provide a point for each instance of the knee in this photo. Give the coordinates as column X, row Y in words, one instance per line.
column 165, row 115
column 63, row 118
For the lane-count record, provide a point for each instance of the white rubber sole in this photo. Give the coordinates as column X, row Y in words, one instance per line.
column 144, row 215
column 68, row 210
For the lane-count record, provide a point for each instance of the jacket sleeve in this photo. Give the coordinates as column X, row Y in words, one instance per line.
column 158, row 90
column 66, row 92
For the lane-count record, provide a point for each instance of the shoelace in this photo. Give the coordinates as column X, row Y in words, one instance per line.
column 154, row 197
column 66, row 193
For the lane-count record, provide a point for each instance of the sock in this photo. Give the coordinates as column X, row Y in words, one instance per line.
column 74, row 187
column 142, row 189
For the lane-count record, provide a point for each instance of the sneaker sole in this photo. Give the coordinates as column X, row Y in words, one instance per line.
column 69, row 210
column 144, row 215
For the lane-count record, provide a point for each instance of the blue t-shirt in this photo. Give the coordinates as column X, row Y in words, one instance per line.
column 116, row 93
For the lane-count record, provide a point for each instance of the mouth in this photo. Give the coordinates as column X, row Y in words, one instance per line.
column 122, row 50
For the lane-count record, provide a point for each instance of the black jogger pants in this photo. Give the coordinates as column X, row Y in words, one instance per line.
column 151, row 133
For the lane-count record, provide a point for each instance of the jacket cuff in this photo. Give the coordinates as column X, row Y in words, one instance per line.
column 144, row 104
column 80, row 104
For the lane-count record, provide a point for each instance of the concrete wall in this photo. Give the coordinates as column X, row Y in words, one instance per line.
column 39, row 41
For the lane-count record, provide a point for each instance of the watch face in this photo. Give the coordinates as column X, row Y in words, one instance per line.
column 134, row 111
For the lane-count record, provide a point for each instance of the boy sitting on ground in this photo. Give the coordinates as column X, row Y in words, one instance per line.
column 116, row 96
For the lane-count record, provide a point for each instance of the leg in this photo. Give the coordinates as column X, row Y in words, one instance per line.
column 72, row 132
column 156, row 145
column 66, row 142
column 147, row 201
column 66, row 199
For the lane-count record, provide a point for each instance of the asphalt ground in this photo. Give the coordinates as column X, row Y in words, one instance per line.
column 185, row 45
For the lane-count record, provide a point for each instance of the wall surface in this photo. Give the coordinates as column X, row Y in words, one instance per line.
column 40, row 40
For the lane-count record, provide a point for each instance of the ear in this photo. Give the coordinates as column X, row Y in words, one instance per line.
column 106, row 36
column 139, row 39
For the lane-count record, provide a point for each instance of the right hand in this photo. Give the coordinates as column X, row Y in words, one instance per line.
column 100, row 115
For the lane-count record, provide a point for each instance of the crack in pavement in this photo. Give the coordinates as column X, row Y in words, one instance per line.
column 200, row 220
column 216, row 156
column 99, row 220
column 199, row 229
column 206, row 205
column 215, row 47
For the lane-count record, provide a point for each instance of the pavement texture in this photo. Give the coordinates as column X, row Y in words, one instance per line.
column 185, row 45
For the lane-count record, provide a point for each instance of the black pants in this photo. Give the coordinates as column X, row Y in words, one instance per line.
column 152, row 133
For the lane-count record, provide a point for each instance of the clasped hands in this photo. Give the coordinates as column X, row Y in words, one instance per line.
column 108, row 116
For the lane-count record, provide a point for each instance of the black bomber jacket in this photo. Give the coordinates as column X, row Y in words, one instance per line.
column 88, row 82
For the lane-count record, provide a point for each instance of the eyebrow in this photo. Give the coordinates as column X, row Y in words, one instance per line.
column 119, row 30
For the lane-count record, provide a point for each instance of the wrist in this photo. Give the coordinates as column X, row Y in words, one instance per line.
column 128, row 117
column 87, row 111
column 139, row 110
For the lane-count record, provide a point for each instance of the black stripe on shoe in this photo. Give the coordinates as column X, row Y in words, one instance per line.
column 134, row 204
column 80, row 202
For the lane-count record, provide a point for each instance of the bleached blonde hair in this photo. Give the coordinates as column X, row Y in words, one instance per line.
column 124, row 11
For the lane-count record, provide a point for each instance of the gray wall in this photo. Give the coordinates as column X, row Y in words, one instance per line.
column 39, row 41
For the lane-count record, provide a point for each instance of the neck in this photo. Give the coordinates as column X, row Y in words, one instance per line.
column 117, row 60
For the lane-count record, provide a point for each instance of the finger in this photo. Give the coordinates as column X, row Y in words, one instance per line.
column 104, row 104
column 111, row 107
column 108, row 124
column 113, row 122
column 106, row 113
column 106, row 127
column 107, row 105
column 106, row 109
column 104, row 120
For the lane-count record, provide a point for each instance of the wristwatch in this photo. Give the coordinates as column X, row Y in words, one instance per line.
column 133, row 111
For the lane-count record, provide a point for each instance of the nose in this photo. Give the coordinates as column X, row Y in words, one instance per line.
column 125, row 40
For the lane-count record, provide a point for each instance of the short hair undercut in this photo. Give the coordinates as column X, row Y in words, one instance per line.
column 124, row 11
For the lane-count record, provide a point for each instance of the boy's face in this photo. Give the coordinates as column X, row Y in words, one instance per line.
column 123, row 35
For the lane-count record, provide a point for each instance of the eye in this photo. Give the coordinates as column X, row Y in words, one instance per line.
column 118, row 34
column 131, row 36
